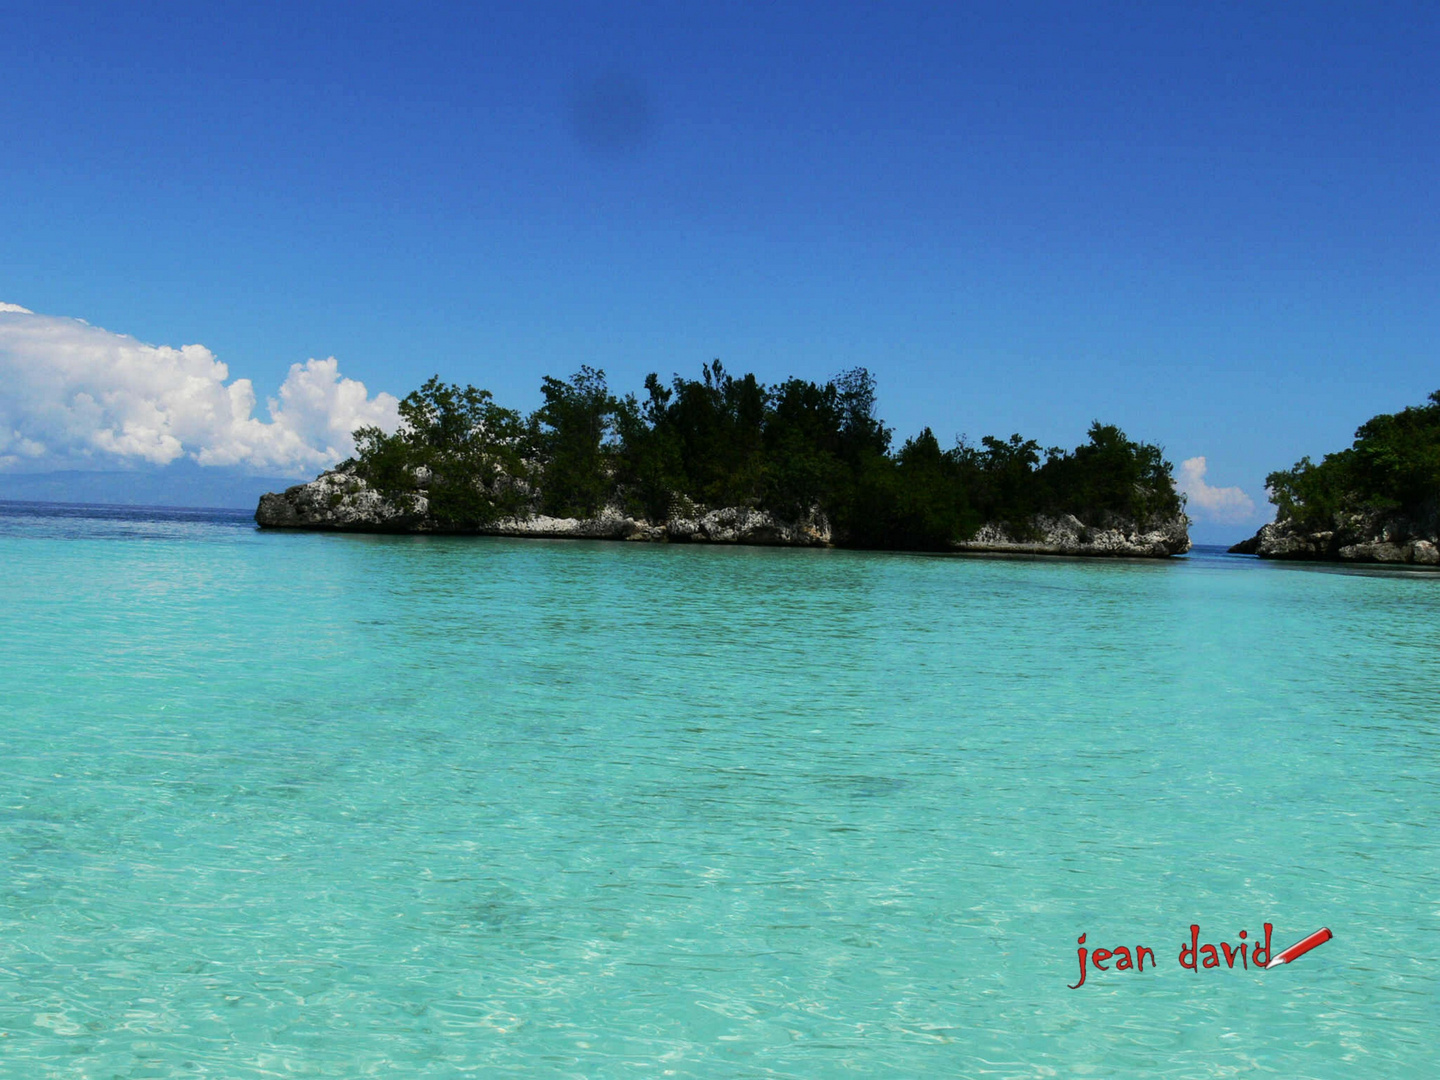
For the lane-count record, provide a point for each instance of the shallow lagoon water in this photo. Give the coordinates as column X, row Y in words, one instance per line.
column 304, row 805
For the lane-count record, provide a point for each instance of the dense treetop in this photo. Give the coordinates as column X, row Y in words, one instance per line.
column 795, row 448
column 1392, row 466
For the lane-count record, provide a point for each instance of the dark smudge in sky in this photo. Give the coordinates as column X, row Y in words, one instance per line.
column 611, row 114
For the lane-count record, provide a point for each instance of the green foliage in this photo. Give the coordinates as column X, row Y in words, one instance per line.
column 803, row 467
column 862, row 435
column 1004, row 478
column 925, row 498
column 794, row 448
column 649, row 468
column 914, row 501
column 572, row 437
column 718, row 424
column 458, row 446
column 1393, row 466
column 1111, row 474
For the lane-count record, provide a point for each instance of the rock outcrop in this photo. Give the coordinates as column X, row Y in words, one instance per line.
column 341, row 501
column 728, row 525
column 1068, row 535
column 1360, row 537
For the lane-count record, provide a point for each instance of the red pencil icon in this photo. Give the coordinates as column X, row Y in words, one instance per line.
column 1300, row 948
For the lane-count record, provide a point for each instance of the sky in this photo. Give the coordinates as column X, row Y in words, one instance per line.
column 236, row 229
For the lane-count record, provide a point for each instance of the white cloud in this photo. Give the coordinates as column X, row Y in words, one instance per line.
column 1220, row 506
column 72, row 394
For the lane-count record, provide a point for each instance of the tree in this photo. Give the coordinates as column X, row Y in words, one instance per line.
column 573, row 435
column 1110, row 473
column 718, row 423
column 803, row 442
column 1392, row 466
column 455, row 444
column 798, row 447
column 649, row 469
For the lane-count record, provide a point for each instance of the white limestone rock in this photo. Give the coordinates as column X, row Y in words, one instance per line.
column 1068, row 535
column 342, row 501
column 1353, row 537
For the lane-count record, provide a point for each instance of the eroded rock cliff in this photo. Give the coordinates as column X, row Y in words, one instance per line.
column 1068, row 535
column 341, row 501
column 1361, row 537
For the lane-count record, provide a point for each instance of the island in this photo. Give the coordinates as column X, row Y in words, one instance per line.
column 729, row 460
column 1376, row 502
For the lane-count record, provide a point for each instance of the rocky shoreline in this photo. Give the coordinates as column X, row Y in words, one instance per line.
column 1068, row 535
column 1351, row 538
column 342, row 502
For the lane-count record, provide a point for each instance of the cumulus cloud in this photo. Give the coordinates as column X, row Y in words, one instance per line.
column 1219, row 505
column 72, row 394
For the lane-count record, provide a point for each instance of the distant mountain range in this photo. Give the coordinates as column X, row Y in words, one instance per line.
column 183, row 484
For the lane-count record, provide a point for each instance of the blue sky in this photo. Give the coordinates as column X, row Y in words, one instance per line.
column 1215, row 225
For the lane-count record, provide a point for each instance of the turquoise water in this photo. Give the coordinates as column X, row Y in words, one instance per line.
column 346, row 806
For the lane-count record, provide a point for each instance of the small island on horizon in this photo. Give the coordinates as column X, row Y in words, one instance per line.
column 726, row 459
column 1378, row 501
